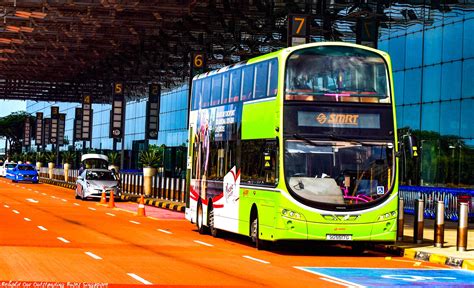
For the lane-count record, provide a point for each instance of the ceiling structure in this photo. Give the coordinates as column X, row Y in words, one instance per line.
column 61, row 50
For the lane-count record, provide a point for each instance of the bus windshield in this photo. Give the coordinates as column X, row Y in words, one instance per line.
column 339, row 172
column 337, row 74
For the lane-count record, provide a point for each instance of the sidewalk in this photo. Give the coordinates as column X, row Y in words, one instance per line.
column 427, row 252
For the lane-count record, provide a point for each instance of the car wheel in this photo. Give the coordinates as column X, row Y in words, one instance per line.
column 75, row 194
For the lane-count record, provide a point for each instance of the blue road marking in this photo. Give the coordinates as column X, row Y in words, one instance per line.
column 376, row 277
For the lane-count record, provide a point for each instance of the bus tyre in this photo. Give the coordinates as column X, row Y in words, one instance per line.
column 214, row 231
column 200, row 219
column 358, row 248
column 255, row 235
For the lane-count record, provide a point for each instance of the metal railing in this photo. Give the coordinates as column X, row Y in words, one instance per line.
column 165, row 188
column 450, row 196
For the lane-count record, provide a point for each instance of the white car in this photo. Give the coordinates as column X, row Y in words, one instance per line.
column 92, row 182
column 5, row 167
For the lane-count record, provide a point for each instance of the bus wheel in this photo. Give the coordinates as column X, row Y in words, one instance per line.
column 358, row 248
column 200, row 220
column 255, row 235
column 214, row 231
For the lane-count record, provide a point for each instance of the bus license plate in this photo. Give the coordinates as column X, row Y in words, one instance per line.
column 344, row 237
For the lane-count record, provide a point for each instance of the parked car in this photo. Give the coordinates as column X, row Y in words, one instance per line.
column 6, row 165
column 23, row 172
column 92, row 182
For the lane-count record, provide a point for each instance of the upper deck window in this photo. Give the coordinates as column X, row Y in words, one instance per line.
column 337, row 74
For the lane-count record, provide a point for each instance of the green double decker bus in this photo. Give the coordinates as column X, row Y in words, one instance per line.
column 298, row 144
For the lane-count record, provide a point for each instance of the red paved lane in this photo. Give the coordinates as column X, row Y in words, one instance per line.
column 87, row 242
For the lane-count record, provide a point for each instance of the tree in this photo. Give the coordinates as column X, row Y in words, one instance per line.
column 12, row 128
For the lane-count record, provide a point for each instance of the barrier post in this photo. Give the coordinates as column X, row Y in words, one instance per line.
column 419, row 218
column 439, row 225
column 461, row 243
column 400, row 220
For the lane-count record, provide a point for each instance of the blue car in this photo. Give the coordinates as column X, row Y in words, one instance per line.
column 22, row 172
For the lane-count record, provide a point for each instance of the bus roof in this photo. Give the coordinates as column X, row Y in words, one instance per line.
column 94, row 156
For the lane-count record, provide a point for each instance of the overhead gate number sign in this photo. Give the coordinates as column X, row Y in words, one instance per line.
column 153, row 112
column 117, row 113
column 54, row 125
column 26, row 138
column 86, row 118
column 39, row 129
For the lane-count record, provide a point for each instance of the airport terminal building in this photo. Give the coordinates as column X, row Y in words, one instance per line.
column 433, row 62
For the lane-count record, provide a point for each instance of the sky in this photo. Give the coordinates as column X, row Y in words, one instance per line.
column 9, row 106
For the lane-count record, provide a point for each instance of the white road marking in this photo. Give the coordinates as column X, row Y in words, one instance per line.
column 93, row 256
column 110, row 214
column 42, row 228
column 23, row 188
column 203, row 243
column 27, row 219
column 255, row 259
column 134, row 222
column 15, row 211
column 29, row 189
column 336, row 282
column 32, row 200
column 91, row 208
column 64, row 200
column 54, row 197
column 6, row 206
column 164, row 231
column 140, row 279
column 44, row 194
column 62, row 239
column 76, row 204
column 330, row 278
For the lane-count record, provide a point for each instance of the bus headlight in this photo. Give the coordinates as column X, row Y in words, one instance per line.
column 387, row 215
column 290, row 214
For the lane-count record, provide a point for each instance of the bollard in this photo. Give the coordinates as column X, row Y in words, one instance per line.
column 439, row 225
column 419, row 218
column 400, row 220
column 462, row 227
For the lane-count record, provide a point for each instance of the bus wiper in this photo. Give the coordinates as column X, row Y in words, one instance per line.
column 352, row 141
column 307, row 140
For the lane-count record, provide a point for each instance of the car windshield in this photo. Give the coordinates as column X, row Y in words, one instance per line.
column 26, row 168
column 100, row 175
column 10, row 166
column 339, row 172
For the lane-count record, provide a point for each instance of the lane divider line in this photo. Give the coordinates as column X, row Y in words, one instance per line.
column 110, row 214
column 15, row 211
column 91, row 208
column 6, row 206
column 42, row 228
column 27, row 219
column 76, row 204
column 54, row 197
column 134, row 222
column 90, row 254
column 64, row 200
column 203, row 243
column 140, row 279
column 165, row 231
column 44, row 194
column 64, row 240
column 256, row 259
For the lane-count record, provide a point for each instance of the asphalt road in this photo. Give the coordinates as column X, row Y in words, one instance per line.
column 47, row 235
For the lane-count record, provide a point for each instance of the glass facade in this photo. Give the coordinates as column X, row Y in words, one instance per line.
column 173, row 121
column 433, row 64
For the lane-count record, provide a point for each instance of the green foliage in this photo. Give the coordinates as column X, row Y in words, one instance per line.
column 39, row 157
column 16, row 157
column 68, row 157
column 150, row 158
column 50, row 157
column 12, row 128
column 27, row 157
column 114, row 158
